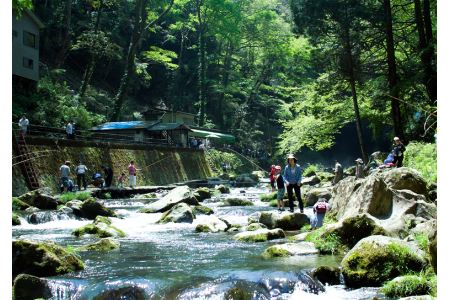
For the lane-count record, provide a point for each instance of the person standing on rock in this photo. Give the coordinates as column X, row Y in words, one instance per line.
column 338, row 172
column 398, row 151
column 319, row 209
column 280, row 187
column 65, row 172
column 81, row 175
column 132, row 174
column 272, row 177
column 359, row 172
column 292, row 176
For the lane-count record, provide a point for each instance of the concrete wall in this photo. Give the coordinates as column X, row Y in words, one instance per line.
column 158, row 166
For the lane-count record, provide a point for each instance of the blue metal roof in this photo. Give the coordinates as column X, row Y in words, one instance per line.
column 124, row 125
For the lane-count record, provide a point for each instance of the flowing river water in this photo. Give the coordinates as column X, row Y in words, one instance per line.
column 172, row 261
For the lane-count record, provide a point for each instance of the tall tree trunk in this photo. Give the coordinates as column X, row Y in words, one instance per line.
column 431, row 68
column 392, row 71
column 92, row 60
column 352, row 81
column 139, row 28
column 426, row 51
column 65, row 35
column 225, row 80
column 202, row 63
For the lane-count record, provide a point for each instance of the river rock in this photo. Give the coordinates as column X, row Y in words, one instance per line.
column 202, row 193
column 39, row 199
column 327, row 275
column 146, row 196
column 180, row 213
column 254, row 217
column 213, row 224
column 202, row 210
column 42, row 259
column 428, row 227
column 237, row 202
column 290, row 249
column 314, row 194
column 105, row 244
column 254, row 226
column 180, row 194
column 312, row 180
column 45, row 216
column 223, row 189
column 15, row 219
column 376, row 259
column 260, row 235
column 405, row 179
column 101, row 227
column 132, row 292
column 31, row 287
column 325, row 176
column 246, row 180
column 285, row 220
column 18, row 204
column 91, row 208
column 75, row 205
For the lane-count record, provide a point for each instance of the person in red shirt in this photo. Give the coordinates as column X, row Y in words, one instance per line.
column 272, row 177
column 132, row 174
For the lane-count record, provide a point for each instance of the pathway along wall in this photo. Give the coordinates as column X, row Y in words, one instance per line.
column 159, row 166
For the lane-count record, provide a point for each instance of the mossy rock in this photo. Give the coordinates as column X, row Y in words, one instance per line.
column 202, row 210
column 91, row 208
column 18, row 204
column 290, row 249
column 325, row 176
column 274, row 251
column 213, row 224
column 39, row 199
column 124, row 292
column 261, row 235
column 409, row 285
column 203, row 228
column 327, row 275
column 255, row 226
column 15, row 219
column 102, row 219
column 31, row 287
column 101, row 230
column 237, row 202
column 223, row 189
column 43, row 259
column 146, row 196
column 180, row 213
column 376, row 259
column 202, row 193
column 105, row 244
column 268, row 197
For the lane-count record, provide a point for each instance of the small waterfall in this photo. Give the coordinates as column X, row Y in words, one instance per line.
column 40, row 217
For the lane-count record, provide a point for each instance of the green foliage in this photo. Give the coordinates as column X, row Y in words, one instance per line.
column 161, row 56
column 19, row 6
column 310, row 170
column 422, row 157
column 324, row 242
column 106, row 195
column 216, row 158
column 268, row 197
column 66, row 197
column 410, row 285
column 422, row 241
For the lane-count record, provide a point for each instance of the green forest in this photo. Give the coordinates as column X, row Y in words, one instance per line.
column 282, row 76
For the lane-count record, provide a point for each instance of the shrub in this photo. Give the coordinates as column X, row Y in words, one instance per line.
column 310, row 170
column 72, row 196
column 422, row 241
column 409, row 285
column 422, row 157
column 324, row 242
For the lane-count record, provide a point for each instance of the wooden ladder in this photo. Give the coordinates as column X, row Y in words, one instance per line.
column 26, row 162
column 167, row 136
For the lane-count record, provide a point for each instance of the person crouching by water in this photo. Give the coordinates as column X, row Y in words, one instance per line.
column 292, row 176
column 280, row 187
column 319, row 209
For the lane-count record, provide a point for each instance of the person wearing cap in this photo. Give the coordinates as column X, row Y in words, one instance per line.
column 359, row 173
column 292, row 176
column 338, row 172
column 272, row 177
column 280, row 187
column 398, row 151
column 65, row 172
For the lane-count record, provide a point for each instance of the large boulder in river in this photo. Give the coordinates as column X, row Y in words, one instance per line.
column 246, row 180
column 180, row 194
column 31, row 287
column 237, row 202
column 213, row 224
column 223, row 189
column 18, row 204
column 327, row 275
column 39, row 199
column 105, row 244
column 91, row 208
column 42, row 259
column 290, row 249
column 312, row 180
column 377, row 258
column 180, row 213
column 405, row 179
column 101, row 228
column 15, row 219
column 314, row 194
column 285, row 220
column 202, row 210
column 134, row 292
column 202, row 193
column 261, row 235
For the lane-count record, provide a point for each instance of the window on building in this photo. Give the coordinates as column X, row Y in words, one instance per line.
column 15, row 34
column 28, row 63
column 29, row 39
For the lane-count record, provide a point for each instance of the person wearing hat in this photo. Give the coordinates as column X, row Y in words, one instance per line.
column 292, row 176
column 280, row 187
column 65, row 172
column 398, row 151
column 359, row 173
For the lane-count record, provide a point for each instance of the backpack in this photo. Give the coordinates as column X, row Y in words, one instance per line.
column 321, row 207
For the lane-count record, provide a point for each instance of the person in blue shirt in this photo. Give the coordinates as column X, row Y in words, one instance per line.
column 292, row 176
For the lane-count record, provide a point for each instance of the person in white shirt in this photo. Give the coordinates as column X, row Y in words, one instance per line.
column 81, row 175
column 70, row 130
column 23, row 124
